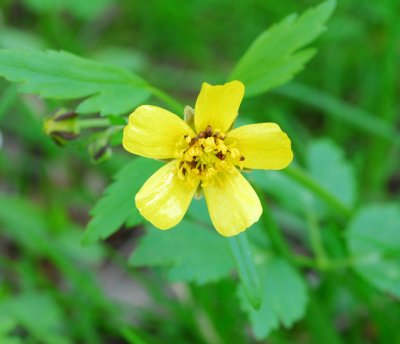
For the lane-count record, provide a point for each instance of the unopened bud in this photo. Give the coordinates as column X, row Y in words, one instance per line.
column 100, row 150
column 62, row 126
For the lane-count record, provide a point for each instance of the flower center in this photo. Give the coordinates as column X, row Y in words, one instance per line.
column 205, row 155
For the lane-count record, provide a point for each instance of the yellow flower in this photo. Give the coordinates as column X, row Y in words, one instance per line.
column 204, row 156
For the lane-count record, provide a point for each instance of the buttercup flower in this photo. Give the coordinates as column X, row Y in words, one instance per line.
column 204, row 155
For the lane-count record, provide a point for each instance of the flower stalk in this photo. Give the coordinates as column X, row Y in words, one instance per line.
column 94, row 123
column 316, row 240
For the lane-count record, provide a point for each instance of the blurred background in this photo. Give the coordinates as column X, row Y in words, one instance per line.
column 54, row 290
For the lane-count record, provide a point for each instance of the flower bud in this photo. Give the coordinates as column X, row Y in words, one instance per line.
column 62, row 126
column 99, row 149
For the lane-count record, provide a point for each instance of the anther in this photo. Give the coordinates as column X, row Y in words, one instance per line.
column 193, row 141
column 220, row 156
column 208, row 132
column 242, row 158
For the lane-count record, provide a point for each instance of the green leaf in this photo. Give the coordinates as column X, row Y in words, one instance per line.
column 118, row 203
column 284, row 298
column 327, row 164
column 191, row 252
column 246, row 268
column 274, row 57
column 108, row 89
column 374, row 241
column 127, row 58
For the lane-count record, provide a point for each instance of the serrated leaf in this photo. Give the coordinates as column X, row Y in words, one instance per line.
column 274, row 57
column 191, row 253
column 284, row 298
column 374, row 241
column 109, row 90
column 118, row 202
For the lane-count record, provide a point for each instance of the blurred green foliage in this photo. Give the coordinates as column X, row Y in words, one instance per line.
column 330, row 263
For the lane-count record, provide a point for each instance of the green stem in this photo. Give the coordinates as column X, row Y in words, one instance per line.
column 316, row 240
column 302, row 178
column 167, row 99
column 305, row 262
column 246, row 268
column 94, row 123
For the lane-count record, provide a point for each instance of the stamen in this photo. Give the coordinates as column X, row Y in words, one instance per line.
column 193, row 141
column 208, row 132
column 220, row 156
column 204, row 156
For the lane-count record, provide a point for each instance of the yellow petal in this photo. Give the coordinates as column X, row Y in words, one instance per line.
column 218, row 106
column 153, row 132
column 164, row 198
column 232, row 203
column 264, row 146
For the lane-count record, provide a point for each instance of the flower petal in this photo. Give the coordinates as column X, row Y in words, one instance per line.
column 164, row 198
column 218, row 106
column 153, row 132
column 232, row 203
column 264, row 146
